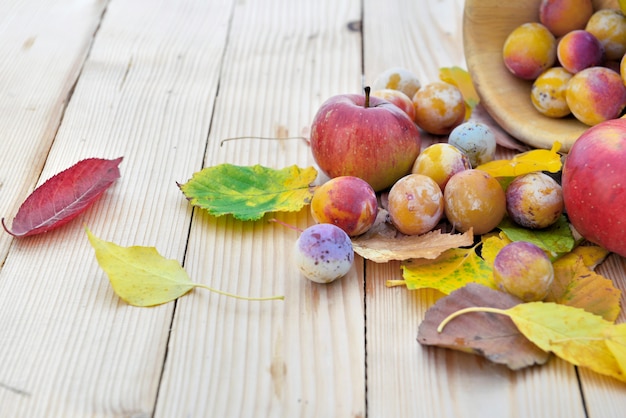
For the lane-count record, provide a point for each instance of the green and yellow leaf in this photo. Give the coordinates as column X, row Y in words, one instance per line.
column 450, row 271
column 249, row 192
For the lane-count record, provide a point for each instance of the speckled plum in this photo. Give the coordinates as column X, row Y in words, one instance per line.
column 324, row 253
column 534, row 200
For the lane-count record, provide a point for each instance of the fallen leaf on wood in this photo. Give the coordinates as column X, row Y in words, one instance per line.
column 141, row 276
column 573, row 334
column 383, row 243
column 556, row 239
column 493, row 336
column 526, row 162
column 248, row 192
column 452, row 270
column 64, row 196
column 576, row 284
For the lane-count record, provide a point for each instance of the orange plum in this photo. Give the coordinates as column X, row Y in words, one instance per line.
column 397, row 98
column 440, row 162
column 563, row 16
column 548, row 92
column 596, row 94
column 397, row 78
column 609, row 27
column 347, row 202
column 439, row 108
column 529, row 50
column 415, row 204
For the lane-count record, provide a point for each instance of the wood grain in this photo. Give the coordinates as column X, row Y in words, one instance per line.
column 305, row 356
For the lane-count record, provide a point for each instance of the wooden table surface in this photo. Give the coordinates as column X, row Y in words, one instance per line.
column 161, row 83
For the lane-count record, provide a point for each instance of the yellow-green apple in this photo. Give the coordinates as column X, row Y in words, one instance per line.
column 594, row 185
column 366, row 137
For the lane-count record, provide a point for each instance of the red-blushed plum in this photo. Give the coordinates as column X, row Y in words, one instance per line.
column 523, row 270
column 594, row 185
column 366, row 137
column 398, row 98
column 347, row 202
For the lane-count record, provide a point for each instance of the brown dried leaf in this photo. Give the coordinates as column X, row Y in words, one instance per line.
column 492, row 336
column 383, row 243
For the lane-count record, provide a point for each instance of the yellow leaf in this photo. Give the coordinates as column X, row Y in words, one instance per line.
column 616, row 342
column 463, row 81
column 576, row 284
column 573, row 334
column 527, row 162
column 142, row 277
column 492, row 246
column 450, row 271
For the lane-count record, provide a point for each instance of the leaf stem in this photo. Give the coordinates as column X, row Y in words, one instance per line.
column 468, row 310
column 263, row 138
column 232, row 295
column 393, row 283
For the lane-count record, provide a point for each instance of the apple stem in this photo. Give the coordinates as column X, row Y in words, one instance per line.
column 367, row 96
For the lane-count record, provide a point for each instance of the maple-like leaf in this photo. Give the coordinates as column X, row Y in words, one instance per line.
column 573, row 334
column 450, row 271
column 64, row 196
column 492, row 336
column 248, row 192
column 526, row 162
column 556, row 239
column 576, row 284
column 141, row 276
column 383, row 243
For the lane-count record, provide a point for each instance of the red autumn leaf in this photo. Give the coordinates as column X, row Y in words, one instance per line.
column 64, row 196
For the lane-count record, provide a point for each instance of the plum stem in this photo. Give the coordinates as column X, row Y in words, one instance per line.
column 367, row 97
column 232, row 295
column 468, row 310
column 286, row 225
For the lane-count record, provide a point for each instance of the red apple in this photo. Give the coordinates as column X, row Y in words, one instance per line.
column 594, row 185
column 366, row 137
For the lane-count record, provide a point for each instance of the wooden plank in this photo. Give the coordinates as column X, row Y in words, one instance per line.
column 43, row 46
column 69, row 347
column 303, row 356
column 431, row 381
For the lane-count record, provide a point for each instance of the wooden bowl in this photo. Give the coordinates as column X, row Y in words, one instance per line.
column 486, row 24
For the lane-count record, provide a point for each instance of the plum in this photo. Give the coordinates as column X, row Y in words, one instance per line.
column 324, row 253
column 523, row 270
column 474, row 199
column 397, row 78
column 595, row 95
column 415, row 204
column 476, row 140
column 347, row 202
column 529, row 50
column 578, row 50
column 439, row 107
column 441, row 161
column 563, row 16
column 548, row 92
column 609, row 27
column 534, row 200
